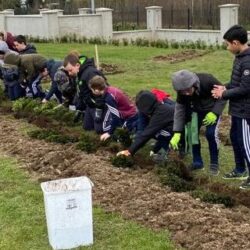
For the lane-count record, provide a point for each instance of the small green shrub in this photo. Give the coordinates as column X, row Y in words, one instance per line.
column 122, row 161
column 51, row 136
column 125, row 42
column 122, row 136
column 87, row 143
column 115, row 42
column 213, row 198
column 174, row 45
column 176, row 183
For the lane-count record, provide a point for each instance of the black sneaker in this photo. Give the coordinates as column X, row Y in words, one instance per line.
column 245, row 184
column 195, row 166
column 214, row 169
column 235, row 175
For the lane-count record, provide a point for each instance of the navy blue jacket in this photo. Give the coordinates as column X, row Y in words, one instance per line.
column 238, row 90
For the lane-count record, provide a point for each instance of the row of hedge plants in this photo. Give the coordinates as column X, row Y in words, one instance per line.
column 141, row 42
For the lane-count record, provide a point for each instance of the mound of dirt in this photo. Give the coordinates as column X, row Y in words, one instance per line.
column 135, row 194
column 180, row 56
column 109, row 69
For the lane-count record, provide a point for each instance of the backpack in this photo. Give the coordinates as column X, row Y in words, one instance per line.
column 10, row 75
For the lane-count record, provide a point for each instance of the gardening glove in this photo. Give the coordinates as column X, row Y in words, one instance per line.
column 124, row 152
column 175, row 141
column 210, row 119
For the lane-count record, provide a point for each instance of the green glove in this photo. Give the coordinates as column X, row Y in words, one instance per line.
column 175, row 140
column 210, row 119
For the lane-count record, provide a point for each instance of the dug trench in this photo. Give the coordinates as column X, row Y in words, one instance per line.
column 135, row 194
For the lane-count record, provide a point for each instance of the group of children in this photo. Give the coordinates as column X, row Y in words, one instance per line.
column 200, row 101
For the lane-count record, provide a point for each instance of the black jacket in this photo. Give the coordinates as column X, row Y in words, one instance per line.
column 160, row 117
column 86, row 72
column 238, row 90
column 30, row 49
column 201, row 101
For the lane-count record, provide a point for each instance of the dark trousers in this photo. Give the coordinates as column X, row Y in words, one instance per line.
column 213, row 142
column 240, row 138
column 15, row 91
column 89, row 121
column 162, row 141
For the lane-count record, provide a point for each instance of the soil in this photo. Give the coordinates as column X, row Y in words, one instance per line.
column 109, row 69
column 181, row 56
column 135, row 194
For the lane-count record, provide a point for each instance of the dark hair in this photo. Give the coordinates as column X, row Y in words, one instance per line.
column 20, row 39
column 71, row 58
column 97, row 82
column 236, row 32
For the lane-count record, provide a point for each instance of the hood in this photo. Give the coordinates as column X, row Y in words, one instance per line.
column 29, row 49
column 4, row 47
column 85, row 63
column 146, row 102
column 184, row 79
column 11, row 59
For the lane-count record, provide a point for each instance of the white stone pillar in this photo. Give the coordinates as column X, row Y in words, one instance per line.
column 228, row 16
column 51, row 23
column 3, row 14
column 154, row 17
column 84, row 11
column 106, row 23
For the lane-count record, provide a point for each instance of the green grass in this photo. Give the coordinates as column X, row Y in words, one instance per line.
column 141, row 72
column 23, row 225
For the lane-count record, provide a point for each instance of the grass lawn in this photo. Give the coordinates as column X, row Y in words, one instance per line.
column 23, row 225
column 141, row 72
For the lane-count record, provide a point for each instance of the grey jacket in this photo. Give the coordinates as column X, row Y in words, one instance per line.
column 201, row 101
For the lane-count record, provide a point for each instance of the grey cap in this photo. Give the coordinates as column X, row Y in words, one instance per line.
column 184, row 79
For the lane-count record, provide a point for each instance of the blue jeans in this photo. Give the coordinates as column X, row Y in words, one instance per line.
column 213, row 142
column 240, row 138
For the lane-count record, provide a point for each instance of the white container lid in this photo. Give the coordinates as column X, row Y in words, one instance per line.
column 67, row 185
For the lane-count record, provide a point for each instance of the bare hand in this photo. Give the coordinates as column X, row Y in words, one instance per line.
column 104, row 136
column 218, row 91
column 124, row 152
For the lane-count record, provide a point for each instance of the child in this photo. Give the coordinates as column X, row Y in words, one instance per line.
column 120, row 110
column 238, row 94
column 22, row 47
column 29, row 66
column 49, row 69
column 83, row 68
column 194, row 98
column 159, row 124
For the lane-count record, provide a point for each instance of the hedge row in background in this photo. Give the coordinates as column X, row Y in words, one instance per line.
column 141, row 42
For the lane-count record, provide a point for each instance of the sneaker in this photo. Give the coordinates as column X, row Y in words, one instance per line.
column 159, row 157
column 214, row 169
column 235, row 175
column 245, row 184
column 195, row 166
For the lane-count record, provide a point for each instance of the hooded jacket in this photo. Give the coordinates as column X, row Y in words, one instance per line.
column 86, row 73
column 238, row 90
column 160, row 117
column 9, row 39
column 29, row 65
column 200, row 101
column 29, row 49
